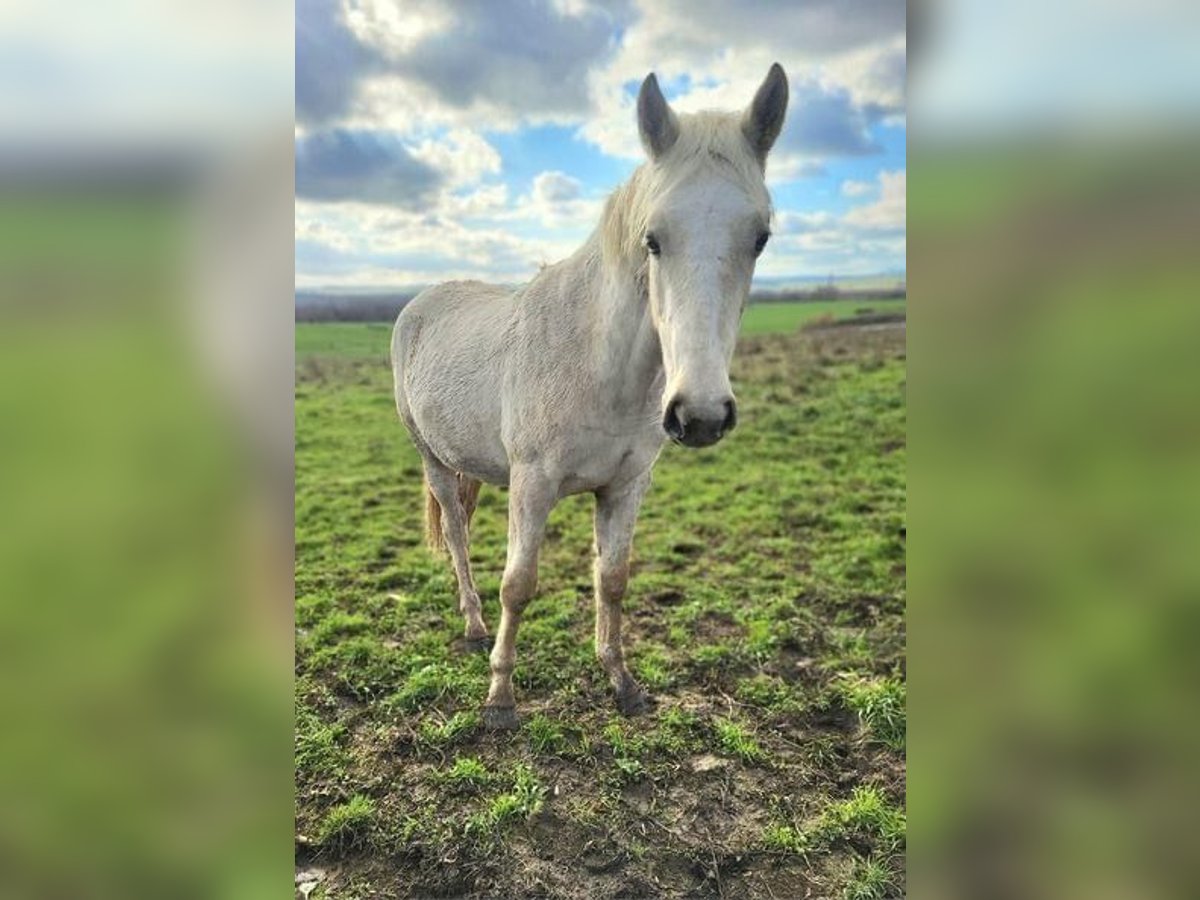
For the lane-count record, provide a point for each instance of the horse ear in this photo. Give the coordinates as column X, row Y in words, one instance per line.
column 657, row 124
column 763, row 121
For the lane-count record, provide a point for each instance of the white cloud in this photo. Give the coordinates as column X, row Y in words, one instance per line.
column 555, row 187
column 844, row 61
column 488, row 200
column 437, row 75
column 888, row 213
column 556, row 200
column 462, row 156
column 481, row 65
column 866, row 239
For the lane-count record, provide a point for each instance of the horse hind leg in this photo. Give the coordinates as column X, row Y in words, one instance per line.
column 451, row 503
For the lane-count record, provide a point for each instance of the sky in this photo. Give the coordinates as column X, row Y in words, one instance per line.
column 440, row 139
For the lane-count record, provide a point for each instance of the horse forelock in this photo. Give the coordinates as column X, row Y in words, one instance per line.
column 707, row 140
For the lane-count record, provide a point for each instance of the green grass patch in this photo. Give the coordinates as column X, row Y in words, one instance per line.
column 347, row 826
column 736, row 740
column 866, row 813
column 372, row 340
column 870, row 880
column 318, row 747
column 784, row 839
column 880, row 704
column 522, row 801
column 768, row 692
column 545, row 735
column 467, row 771
column 772, row 317
column 440, row 733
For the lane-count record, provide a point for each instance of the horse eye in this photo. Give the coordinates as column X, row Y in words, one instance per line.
column 652, row 245
column 761, row 242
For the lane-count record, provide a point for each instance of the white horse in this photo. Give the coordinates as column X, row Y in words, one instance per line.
column 573, row 382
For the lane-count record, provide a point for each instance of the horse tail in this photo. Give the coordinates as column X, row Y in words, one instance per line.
column 468, row 496
column 435, row 539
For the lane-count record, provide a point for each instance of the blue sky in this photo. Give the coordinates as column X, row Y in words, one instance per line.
column 442, row 139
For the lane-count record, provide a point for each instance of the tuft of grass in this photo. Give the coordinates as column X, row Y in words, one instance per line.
column 676, row 733
column 627, row 751
column 318, row 746
column 338, row 625
column 451, row 731
column 766, row 692
column 735, row 740
column 652, row 667
column 713, row 656
column 867, row 813
column 545, row 735
column 784, row 838
column 762, row 637
column 361, row 666
column 871, row 880
column 522, row 801
column 347, row 826
column 432, row 683
column 880, row 704
column 467, row 771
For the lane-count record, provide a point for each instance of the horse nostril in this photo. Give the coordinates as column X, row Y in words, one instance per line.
column 730, row 416
column 671, row 424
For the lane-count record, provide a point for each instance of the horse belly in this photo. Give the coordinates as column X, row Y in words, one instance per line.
column 452, row 405
column 462, row 436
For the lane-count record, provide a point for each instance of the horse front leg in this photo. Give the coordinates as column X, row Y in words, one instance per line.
column 530, row 499
column 616, row 514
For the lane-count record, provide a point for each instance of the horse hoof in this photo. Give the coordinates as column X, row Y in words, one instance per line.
column 468, row 646
column 634, row 702
column 500, row 718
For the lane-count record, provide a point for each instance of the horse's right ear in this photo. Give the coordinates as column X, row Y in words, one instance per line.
column 657, row 124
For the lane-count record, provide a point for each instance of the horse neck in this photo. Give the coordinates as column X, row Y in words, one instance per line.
column 626, row 348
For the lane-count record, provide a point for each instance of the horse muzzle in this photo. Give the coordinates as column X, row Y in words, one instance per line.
column 699, row 425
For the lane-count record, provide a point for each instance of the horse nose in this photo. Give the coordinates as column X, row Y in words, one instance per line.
column 699, row 425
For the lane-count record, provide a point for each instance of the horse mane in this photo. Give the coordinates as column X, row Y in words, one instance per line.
column 708, row 139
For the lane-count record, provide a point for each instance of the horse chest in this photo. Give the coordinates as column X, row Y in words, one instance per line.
column 614, row 460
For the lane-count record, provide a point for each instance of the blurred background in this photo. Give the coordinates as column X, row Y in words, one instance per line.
column 145, row 451
column 1054, row 232
column 146, row 227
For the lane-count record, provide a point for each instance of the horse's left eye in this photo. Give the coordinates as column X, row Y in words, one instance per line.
column 761, row 242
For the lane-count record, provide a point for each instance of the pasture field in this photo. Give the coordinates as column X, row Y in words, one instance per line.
column 765, row 613
column 343, row 339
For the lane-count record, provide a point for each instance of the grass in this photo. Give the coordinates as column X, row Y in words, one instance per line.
column 872, row 880
column 880, row 704
column 866, row 812
column 772, row 317
column 764, row 613
column 522, row 801
column 545, row 735
column 467, row 771
column 734, row 739
column 347, row 825
column 371, row 339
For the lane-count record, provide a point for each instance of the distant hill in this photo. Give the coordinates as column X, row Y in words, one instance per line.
column 314, row 306
column 384, row 306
